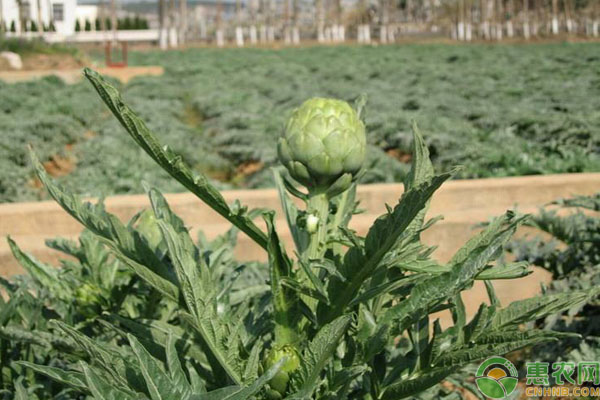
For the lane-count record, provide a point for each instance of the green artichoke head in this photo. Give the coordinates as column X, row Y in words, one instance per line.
column 323, row 146
column 89, row 299
column 147, row 226
column 280, row 380
column 88, row 293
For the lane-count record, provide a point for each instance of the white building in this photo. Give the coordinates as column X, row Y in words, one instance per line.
column 62, row 13
column 87, row 12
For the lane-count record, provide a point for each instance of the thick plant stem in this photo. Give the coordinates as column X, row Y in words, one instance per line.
column 318, row 206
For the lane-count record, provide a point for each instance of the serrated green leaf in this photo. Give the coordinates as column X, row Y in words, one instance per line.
column 173, row 164
column 20, row 391
column 45, row 275
column 158, row 382
column 174, row 367
column 75, row 380
column 433, row 291
column 127, row 247
column 538, row 307
column 110, row 359
column 240, row 392
column 199, row 296
column 102, row 389
column 495, row 343
column 157, row 332
column 318, row 354
column 285, row 300
column 360, row 263
column 408, row 387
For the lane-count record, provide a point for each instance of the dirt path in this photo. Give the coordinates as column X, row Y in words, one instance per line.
column 74, row 75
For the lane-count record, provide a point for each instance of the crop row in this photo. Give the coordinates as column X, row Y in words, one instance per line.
column 498, row 110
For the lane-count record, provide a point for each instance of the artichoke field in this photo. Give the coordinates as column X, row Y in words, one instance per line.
column 340, row 316
column 499, row 110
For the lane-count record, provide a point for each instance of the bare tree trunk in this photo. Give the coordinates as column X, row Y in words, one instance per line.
column 431, row 16
column 40, row 21
column 319, row 11
column 287, row 29
column 339, row 31
column 182, row 21
column 383, row 21
column 460, row 20
column 595, row 17
column 51, row 13
column 469, row 21
column 239, row 30
column 555, row 17
column 366, row 26
column 569, row 23
column 113, row 19
column 172, row 20
column 295, row 27
column 262, row 25
column 21, row 27
column 271, row 21
column 498, row 20
column 536, row 20
column 219, row 35
column 252, row 31
column 510, row 10
column 526, row 28
column 162, row 34
column 2, row 22
column 488, row 18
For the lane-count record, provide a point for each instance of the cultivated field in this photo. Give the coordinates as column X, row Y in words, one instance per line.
column 499, row 110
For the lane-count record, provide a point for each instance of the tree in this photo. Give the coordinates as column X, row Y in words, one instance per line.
column 40, row 22
column 555, row 17
column 526, row 29
column 97, row 24
column 182, row 20
column 88, row 25
column 77, row 26
column 13, row 27
column 162, row 39
column 33, row 27
column 22, row 16
column 113, row 16
column 2, row 21
column 125, row 24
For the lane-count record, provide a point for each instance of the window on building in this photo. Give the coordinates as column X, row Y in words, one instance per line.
column 57, row 11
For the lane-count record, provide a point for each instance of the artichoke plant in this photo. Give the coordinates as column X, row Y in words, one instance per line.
column 346, row 317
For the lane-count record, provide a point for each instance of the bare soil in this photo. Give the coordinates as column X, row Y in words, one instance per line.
column 399, row 155
column 37, row 62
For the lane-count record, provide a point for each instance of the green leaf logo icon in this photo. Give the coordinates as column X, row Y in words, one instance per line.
column 497, row 378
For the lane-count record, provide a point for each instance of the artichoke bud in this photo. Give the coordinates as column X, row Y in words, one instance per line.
column 147, row 226
column 88, row 294
column 273, row 395
column 280, row 381
column 312, row 223
column 89, row 299
column 323, row 145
